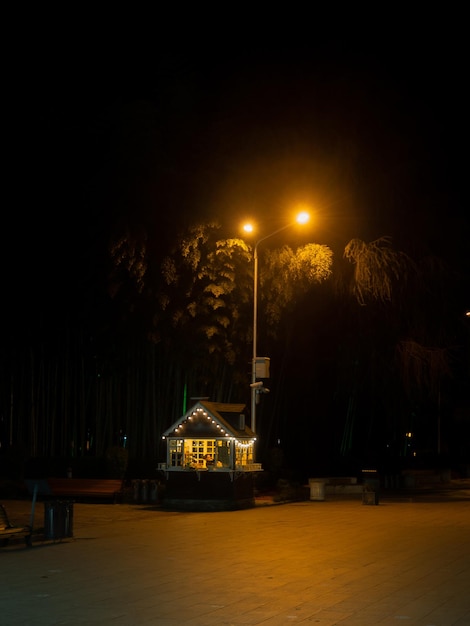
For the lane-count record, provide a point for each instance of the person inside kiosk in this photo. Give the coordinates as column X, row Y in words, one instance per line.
column 209, row 459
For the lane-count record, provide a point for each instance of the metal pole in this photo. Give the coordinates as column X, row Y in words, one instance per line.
column 255, row 317
column 255, row 323
column 255, row 332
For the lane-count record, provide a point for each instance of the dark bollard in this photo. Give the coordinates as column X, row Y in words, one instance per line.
column 371, row 486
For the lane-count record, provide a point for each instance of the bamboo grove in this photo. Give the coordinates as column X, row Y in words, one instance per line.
column 165, row 332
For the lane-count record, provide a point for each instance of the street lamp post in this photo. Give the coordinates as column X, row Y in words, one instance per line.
column 302, row 218
column 255, row 334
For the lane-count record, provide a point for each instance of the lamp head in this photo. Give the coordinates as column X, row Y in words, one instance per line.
column 303, row 217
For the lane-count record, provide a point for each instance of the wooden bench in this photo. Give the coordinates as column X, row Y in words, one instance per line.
column 9, row 530
column 86, row 488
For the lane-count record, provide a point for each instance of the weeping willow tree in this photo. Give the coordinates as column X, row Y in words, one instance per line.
column 288, row 274
column 377, row 269
column 377, row 283
column 407, row 356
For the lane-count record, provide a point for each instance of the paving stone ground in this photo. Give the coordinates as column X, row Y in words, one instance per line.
column 405, row 561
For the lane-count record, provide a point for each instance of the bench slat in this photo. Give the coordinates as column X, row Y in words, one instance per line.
column 75, row 487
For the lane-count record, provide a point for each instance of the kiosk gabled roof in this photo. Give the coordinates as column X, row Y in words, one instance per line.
column 223, row 416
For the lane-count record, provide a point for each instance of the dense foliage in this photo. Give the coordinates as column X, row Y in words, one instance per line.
column 353, row 368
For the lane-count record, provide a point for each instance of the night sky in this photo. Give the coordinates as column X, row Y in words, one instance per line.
column 367, row 128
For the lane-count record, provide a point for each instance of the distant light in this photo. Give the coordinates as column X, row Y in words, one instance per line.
column 467, row 313
column 248, row 228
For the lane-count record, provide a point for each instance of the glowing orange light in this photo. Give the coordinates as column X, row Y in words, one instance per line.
column 303, row 217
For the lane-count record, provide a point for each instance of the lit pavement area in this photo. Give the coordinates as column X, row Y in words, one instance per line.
column 405, row 561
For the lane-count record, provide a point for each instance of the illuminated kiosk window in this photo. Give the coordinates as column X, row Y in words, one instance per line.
column 175, row 450
column 211, row 436
column 210, row 454
column 243, row 454
column 200, row 453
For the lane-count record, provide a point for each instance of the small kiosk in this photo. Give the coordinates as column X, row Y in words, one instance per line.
column 209, row 459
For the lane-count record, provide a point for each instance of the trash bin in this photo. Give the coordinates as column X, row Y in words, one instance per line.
column 317, row 489
column 136, row 489
column 370, row 486
column 144, row 490
column 58, row 519
column 153, row 491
